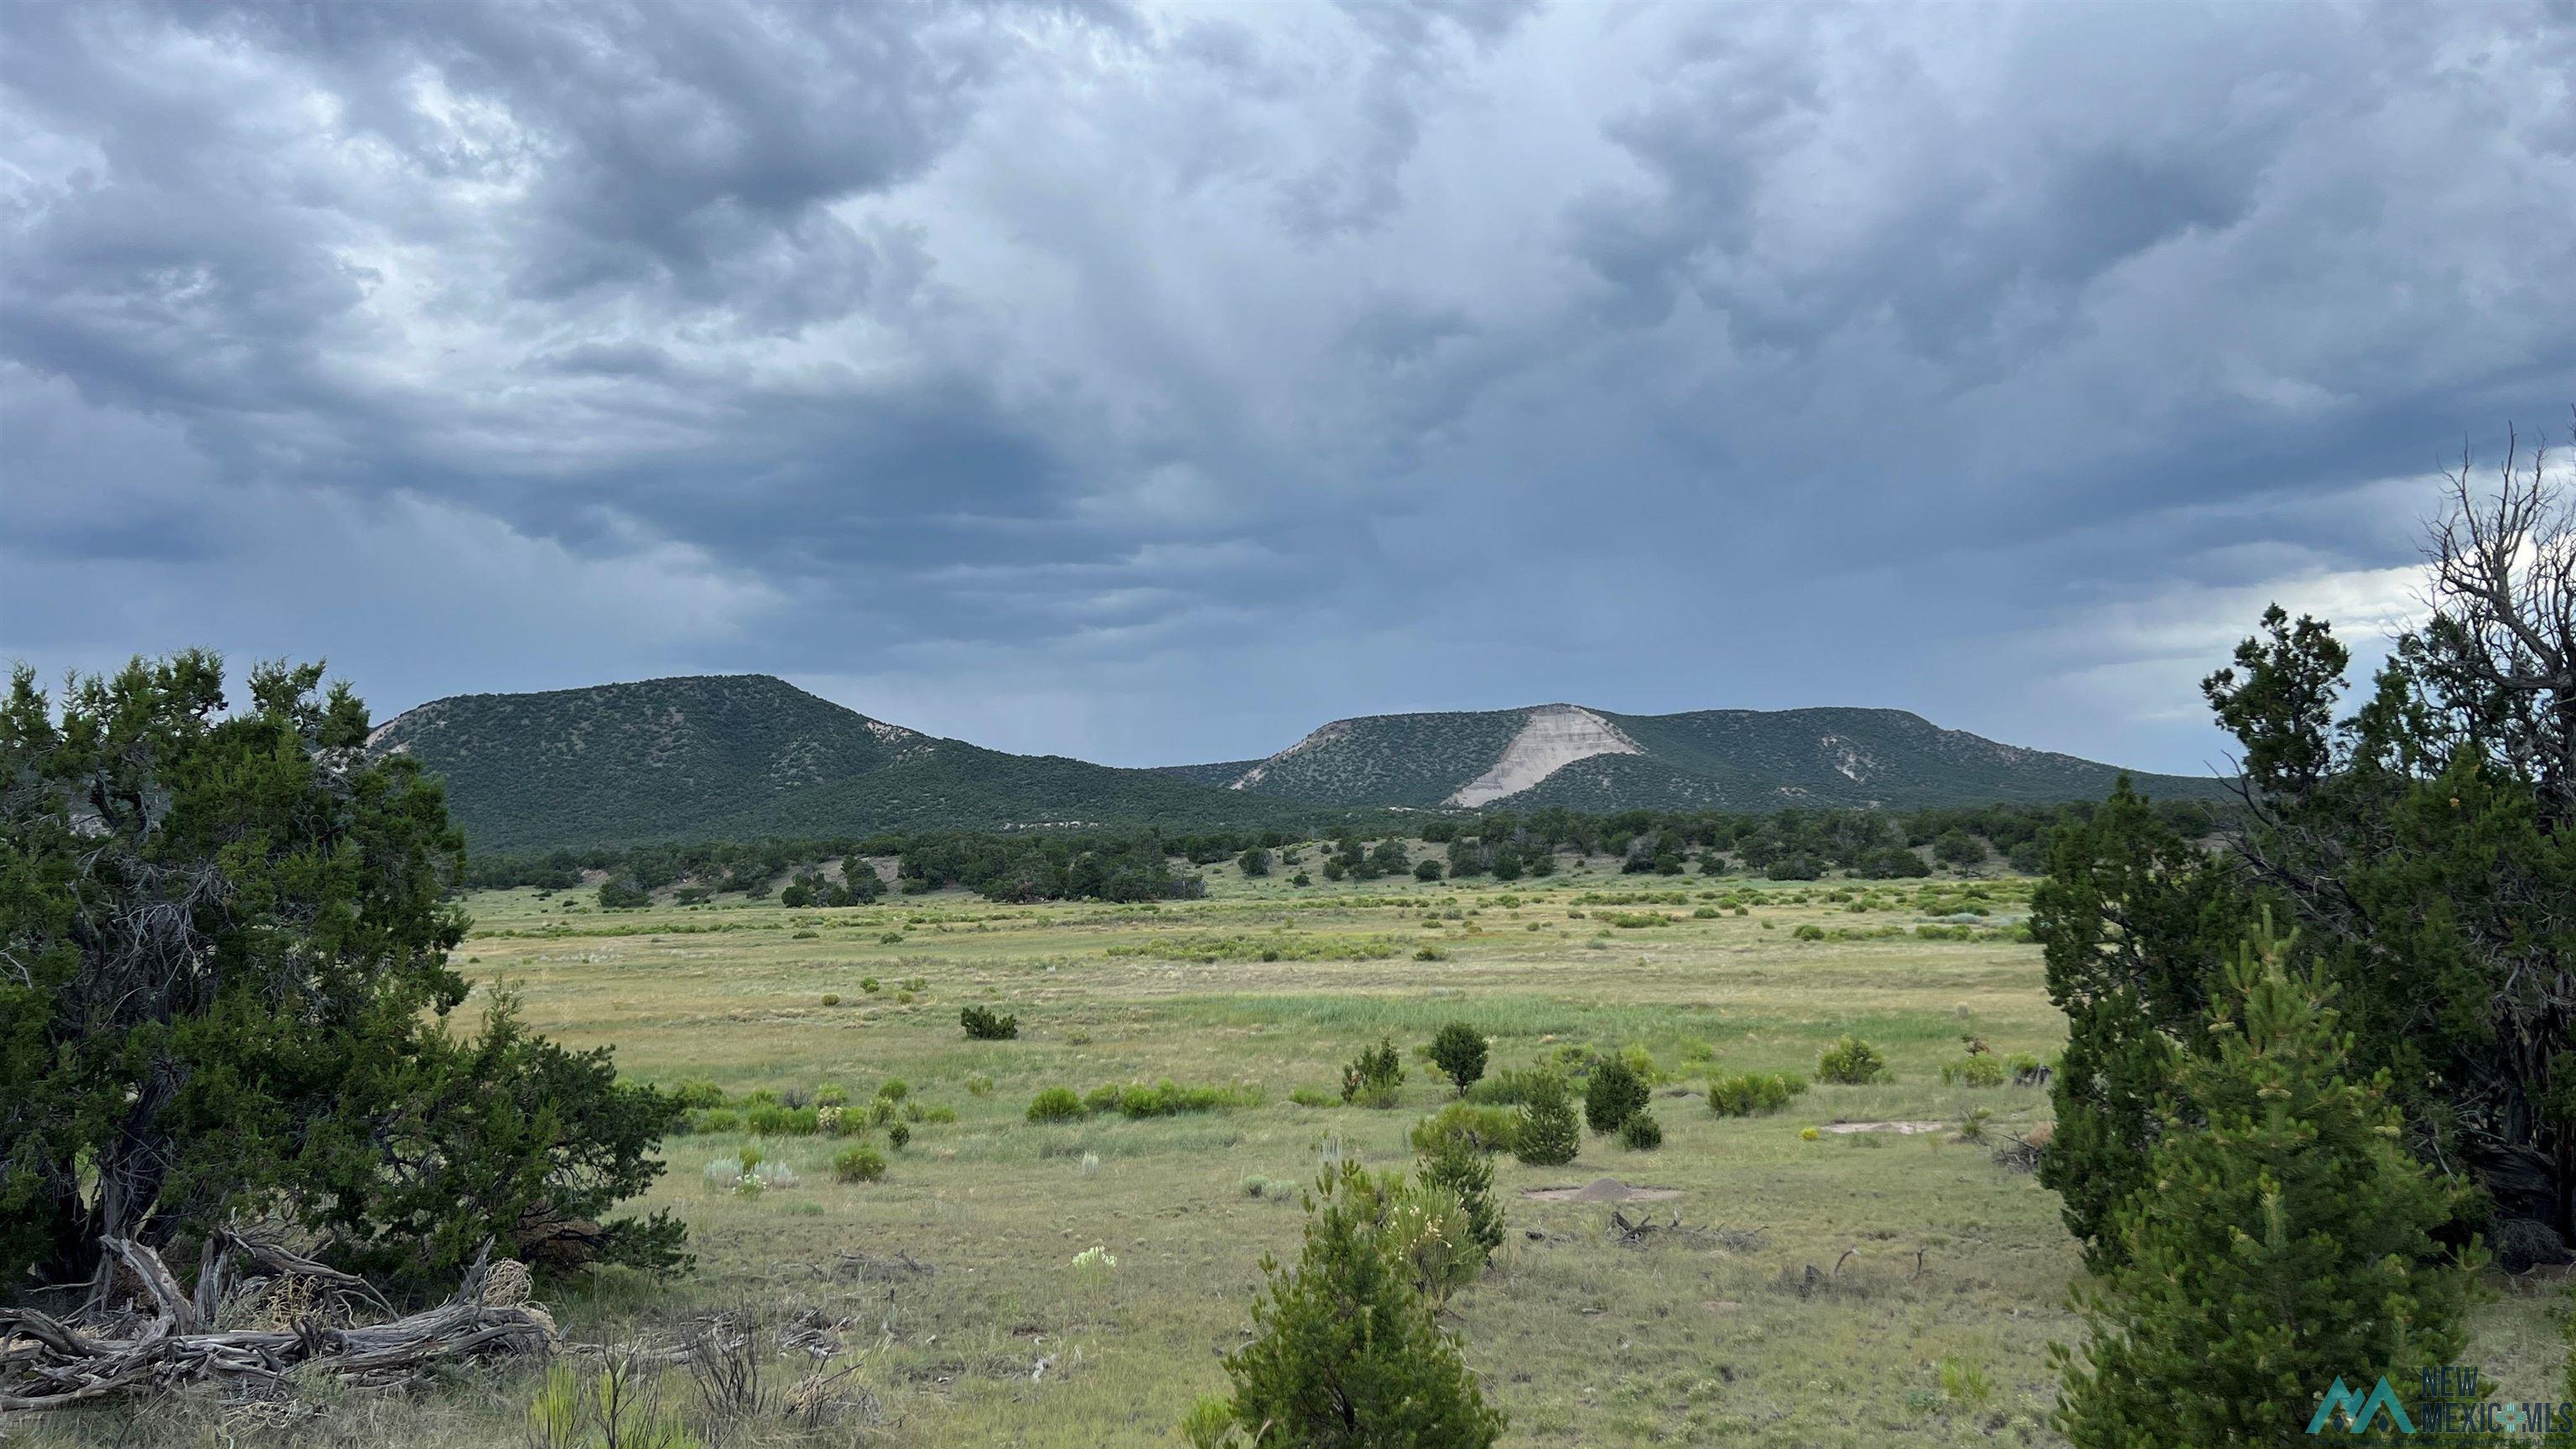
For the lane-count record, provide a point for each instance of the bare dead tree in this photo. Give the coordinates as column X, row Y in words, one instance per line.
column 2503, row 592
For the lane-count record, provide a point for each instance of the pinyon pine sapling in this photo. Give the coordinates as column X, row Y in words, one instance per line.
column 1345, row 1353
column 1452, row 1162
column 1614, row 1094
column 2285, row 1239
column 1548, row 1134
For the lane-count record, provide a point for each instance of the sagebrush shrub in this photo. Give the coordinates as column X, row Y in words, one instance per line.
column 1851, row 1062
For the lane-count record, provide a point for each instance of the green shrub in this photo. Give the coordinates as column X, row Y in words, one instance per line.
column 1753, row 1095
column 859, row 1163
column 831, row 1094
column 1809, row 932
column 1612, row 1095
column 1168, row 1098
column 831, row 999
column 1485, row 1129
column 982, row 1025
column 1345, row 1349
column 1055, row 1104
column 1375, row 1074
column 771, row 1121
column 1851, row 1062
column 1982, row 1070
column 894, row 1089
column 695, row 1092
column 1513, row 1086
column 898, row 1136
column 1103, row 1098
column 1210, row 1422
column 1311, row 1097
column 1547, row 1134
column 716, row 1119
column 1458, row 1050
column 1640, row 1132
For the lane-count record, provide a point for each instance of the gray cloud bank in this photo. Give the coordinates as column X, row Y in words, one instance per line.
column 1154, row 383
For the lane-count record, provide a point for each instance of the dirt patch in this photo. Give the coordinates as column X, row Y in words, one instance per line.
column 1601, row 1189
column 1902, row 1129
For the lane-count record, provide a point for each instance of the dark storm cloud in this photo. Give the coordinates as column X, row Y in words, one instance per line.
column 1158, row 382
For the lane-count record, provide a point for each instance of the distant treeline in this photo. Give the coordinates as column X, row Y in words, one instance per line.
column 1140, row 864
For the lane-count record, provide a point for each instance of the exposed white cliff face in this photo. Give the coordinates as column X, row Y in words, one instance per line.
column 1556, row 736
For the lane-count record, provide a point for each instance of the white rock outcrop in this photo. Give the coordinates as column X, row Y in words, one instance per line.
column 1554, row 736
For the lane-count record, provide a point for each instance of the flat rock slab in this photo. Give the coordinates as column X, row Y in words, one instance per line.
column 1601, row 1189
column 1906, row 1129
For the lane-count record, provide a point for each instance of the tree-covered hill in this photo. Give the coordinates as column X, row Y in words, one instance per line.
column 746, row 756
column 1586, row 759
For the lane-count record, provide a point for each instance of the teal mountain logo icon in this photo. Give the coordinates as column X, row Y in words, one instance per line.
column 2357, row 1411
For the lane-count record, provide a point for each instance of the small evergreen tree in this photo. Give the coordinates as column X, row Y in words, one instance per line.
column 1612, row 1096
column 2286, row 1240
column 1346, row 1354
column 1548, row 1135
column 1454, row 1163
column 1254, row 862
column 1372, row 1077
column 860, row 879
column 1459, row 1052
column 1958, row 849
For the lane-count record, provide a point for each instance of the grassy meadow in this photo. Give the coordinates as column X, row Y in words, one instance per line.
column 1823, row 1288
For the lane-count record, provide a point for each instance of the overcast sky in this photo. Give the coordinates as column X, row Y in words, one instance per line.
column 1155, row 384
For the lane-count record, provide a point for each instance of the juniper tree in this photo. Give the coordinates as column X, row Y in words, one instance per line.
column 2287, row 1239
column 224, row 989
column 1458, row 1050
column 2129, row 921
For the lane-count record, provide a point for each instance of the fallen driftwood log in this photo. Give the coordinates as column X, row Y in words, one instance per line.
column 49, row 1363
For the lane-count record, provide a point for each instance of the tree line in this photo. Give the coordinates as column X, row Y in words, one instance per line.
column 1793, row 843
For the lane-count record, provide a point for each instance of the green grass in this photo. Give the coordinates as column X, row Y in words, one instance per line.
column 1933, row 1330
